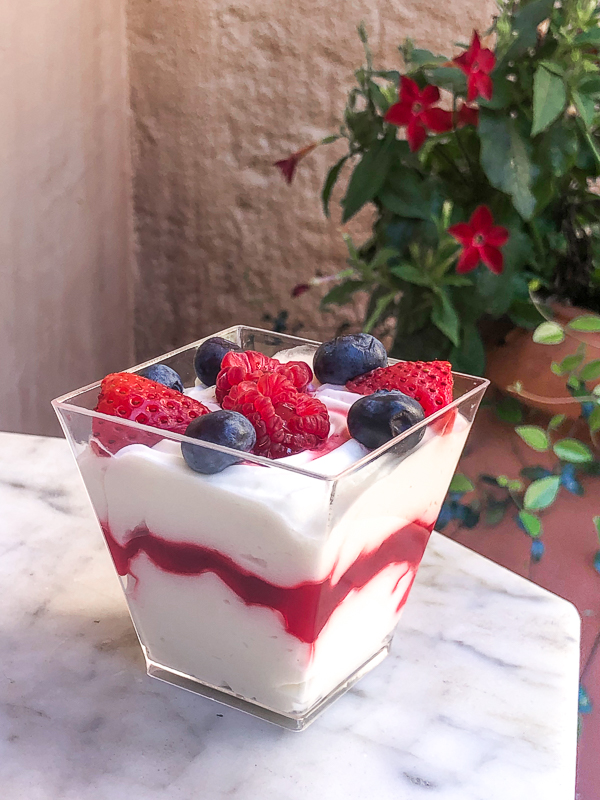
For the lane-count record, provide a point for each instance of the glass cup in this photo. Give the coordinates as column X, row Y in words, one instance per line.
column 268, row 587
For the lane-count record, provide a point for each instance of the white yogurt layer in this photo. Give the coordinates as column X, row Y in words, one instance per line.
column 283, row 526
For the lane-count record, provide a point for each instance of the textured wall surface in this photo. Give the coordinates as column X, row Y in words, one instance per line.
column 65, row 203
column 220, row 90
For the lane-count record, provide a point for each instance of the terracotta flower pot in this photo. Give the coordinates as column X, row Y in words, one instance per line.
column 521, row 359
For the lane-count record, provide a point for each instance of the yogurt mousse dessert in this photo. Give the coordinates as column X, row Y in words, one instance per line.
column 267, row 502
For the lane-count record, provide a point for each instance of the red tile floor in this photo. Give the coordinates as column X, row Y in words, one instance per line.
column 566, row 567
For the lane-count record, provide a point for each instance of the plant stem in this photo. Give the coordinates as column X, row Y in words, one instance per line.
column 551, row 401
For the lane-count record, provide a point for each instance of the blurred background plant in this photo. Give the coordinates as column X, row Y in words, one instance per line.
column 572, row 443
column 492, row 187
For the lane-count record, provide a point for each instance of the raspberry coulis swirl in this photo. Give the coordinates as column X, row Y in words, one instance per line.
column 306, row 607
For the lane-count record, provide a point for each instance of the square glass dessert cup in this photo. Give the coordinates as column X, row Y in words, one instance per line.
column 270, row 587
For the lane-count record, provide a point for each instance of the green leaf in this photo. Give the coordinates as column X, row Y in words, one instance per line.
column 445, row 318
column 549, row 99
column 368, row 177
column 542, row 493
column 548, row 333
column 508, row 409
column 495, row 511
column 457, row 280
column 411, row 274
column 590, row 85
column 594, row 420
column 469, row 356
column 505, row 158
column 380, row 307
column 556, row 421
column 531, row 523
column 330, row 182
column 363, row 126
column 406, row 194
column 525, row 314
column 461, row 484
column 568, row 364
column 591, row 371
column 379, row 97
column 525, row 24
column 450, row 78
column 558, row 148
column 534, row 436
column 342, row 293
column 586, row 108
column 586, row 323
column 553, row 66
column 425, row 58
column 589, row 37
column 381, row 258
column 572, row 450
column 596, row 521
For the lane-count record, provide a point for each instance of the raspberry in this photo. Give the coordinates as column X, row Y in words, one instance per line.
column 428, row 382
column 130, row 396
column 250, row 365
column 285, row 420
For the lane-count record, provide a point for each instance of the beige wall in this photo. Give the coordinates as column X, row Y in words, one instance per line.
column 65, row 217
column 219, row 91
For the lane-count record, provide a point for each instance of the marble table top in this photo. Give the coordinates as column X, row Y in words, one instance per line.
column 477, row 701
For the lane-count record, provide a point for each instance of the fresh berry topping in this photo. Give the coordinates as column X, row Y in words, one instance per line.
column 377, row 418
column 342, row 359
column 130, row 396
column 428, row 382
column 250, row 365
column 160, row 373
column 285, row 420
column 227, row 428
column 208, row 358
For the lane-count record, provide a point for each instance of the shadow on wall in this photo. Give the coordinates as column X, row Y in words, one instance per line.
column 220, row 92
column 66, row 294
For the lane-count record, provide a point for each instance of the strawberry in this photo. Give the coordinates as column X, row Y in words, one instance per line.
column 428, row 382
column 250, row 365
column 286, row 421
column 130, row 396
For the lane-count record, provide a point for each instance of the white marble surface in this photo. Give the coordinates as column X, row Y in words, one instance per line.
column 477, row 701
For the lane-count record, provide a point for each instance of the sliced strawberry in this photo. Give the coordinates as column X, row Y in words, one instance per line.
column 285, row 420
column 428, row 382
column 250, row 365
column 129, row 396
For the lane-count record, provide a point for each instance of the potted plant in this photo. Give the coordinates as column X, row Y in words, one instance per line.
column 480, row 170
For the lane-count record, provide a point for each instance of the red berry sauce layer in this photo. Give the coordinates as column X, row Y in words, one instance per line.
column 305, row 608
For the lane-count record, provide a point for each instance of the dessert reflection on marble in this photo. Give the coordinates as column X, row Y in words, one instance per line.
column 477, row 700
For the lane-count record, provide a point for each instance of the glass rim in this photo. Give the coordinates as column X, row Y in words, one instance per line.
column 62, row 403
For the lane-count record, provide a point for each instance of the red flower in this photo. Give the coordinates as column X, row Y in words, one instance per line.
column 288, row 165
column 299, row 289
column 415, row 110
column 477, row 62
column 480, row 239
column 467, row 115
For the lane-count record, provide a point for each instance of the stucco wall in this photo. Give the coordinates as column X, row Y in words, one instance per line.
column 65, row 203
column 219, row 91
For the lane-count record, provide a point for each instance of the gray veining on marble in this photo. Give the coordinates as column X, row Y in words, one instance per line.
column 477, row 701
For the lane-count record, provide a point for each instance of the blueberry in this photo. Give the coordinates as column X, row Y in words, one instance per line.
column 342, row 359
column 227, row 428
column 207, row 361
column 160, row 373
column 375, row 419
